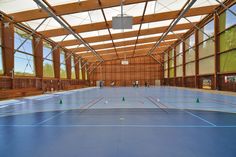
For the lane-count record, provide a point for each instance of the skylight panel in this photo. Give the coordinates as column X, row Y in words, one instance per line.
column 59, row 38
column 13, row 6
column 59, row 2
column 88, row 17
column 49, row 24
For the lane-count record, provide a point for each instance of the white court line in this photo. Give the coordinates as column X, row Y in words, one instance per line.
column 44, row 121
column 4, row 102
column 200, row 118
column 128, row 126
column 3, row 106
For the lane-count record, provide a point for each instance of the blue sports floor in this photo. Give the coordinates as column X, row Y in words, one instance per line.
column 119, row 122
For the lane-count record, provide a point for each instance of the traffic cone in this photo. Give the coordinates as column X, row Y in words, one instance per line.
column 197, row 101
column 123, row 99
column 61, row 101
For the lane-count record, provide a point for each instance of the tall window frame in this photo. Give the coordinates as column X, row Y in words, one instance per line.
column 23, row 54
column 48, row 64
column 63, row 70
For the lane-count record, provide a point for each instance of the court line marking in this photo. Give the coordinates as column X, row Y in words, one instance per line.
column 128, row 126
column 194, row 115
column 3, row 106
column 50, row 118
column 58, row 114
column 158, row 102
column 158, row 106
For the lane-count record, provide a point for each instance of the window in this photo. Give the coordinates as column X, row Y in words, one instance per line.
column 207, row 29
column 23, row 57
column 227, row 19
column 80, row 70
column 179, row 71
column 166, row 74
column 179, row 59
column 48, row 70
column 228, row 61
column 190, row 42
column 86, row 73
column 73, row 76
column 63, row 73
column 207, row 49
column 171, row 62
column 190, row 69
column 190, row 55
column 207, row 66
column 1, row 60
column 166, row 60
column 227, row 41
column 172, row 72
column 179, row 48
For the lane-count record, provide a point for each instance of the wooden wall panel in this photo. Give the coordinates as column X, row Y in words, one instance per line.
column 143, row 69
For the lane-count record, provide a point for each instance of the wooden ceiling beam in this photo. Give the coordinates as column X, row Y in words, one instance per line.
column 125, row 49
column 119, row 44
column 136, row 20
column 127, row 34
column 70, row 8
column 113, row 56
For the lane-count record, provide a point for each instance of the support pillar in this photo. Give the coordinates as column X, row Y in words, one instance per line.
column 217, row 50
column 8, row 48
column 68, row 64
column 196, row 60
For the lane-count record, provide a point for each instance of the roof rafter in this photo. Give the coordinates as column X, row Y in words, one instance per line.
column 124, row 49
column 140, row 27
column 139, row 52
column 107, row 25
column 70, row 8
column 123, row 43
column 136, row 20
column 127, row 34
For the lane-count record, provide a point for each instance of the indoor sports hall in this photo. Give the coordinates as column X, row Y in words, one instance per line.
column 117, row 78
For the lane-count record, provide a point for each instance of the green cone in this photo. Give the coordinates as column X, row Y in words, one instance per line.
column 123, row 99
column 61, row 101
column 197, row 101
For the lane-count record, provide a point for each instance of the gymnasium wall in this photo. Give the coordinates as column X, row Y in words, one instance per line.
column 205, row 61
column 140, row 68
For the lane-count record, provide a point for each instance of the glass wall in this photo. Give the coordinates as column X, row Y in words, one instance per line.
column 227, row 41
column 73, row 76
column 166, row 65
column 23, row 57
column 1, row 59
column 206, row 49
column 48, row 70
column 171, row 63
column 63, row 73
column 179, row 60
column 86, row 73
column 80, row 70
column 190, row 55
